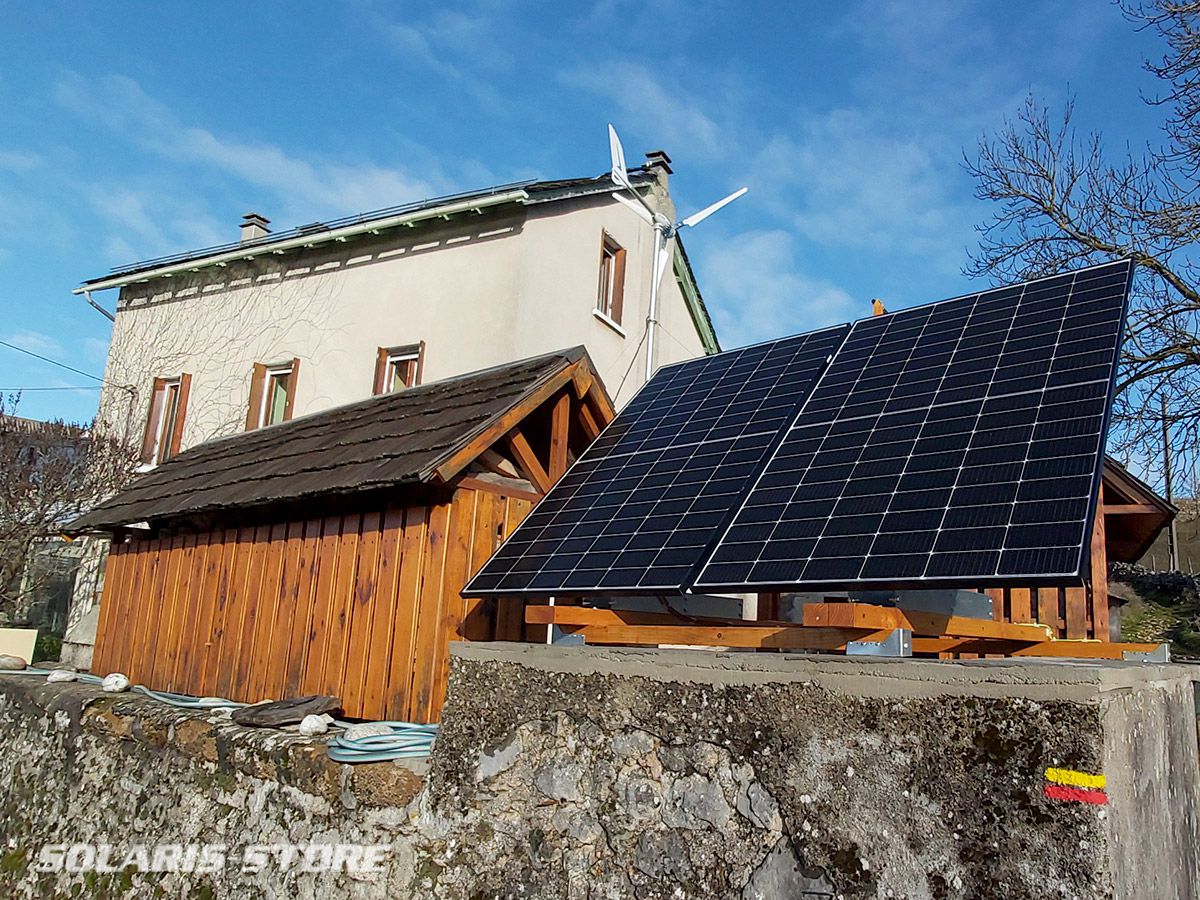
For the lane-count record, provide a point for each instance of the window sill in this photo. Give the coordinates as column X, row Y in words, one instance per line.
column 609, row 322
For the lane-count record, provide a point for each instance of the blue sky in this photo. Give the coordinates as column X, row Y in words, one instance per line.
column 132, row 130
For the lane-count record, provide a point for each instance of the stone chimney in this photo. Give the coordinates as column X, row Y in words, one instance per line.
column 254, row 226
column 877, row 307
column 659, row 163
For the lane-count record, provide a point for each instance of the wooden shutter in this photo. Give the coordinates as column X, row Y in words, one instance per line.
column 420, row 363
column 185, row 387
column 258, row 384
column 618, row 286
column 153, row 417
column 292, row 382
column 381, row 364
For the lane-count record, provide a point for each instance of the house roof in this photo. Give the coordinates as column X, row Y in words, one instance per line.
column 1128, row 535
column 524, row 192
column 389, row 440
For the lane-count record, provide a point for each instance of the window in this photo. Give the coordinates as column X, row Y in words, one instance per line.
column 164, row 421
column 272, row 393
column 612, row 280
column 397, row 368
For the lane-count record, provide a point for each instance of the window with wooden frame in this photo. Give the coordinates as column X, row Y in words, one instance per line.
column 164, row 420
column 272, row 393
column 398, row 368
column 611, row 292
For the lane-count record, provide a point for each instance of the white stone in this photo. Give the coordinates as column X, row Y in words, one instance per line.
column 114, row 683
column 366, row 729
column 311, row 725
column 61, row 675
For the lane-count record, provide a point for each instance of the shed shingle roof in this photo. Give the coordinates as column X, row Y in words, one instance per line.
column 388, row 440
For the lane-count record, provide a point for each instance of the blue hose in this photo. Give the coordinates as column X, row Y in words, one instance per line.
column 406, row 741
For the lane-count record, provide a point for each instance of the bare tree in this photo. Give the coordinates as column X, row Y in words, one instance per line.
column 50, row 472
column 1062, row 202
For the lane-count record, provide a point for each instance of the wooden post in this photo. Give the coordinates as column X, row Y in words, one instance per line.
column 1099, row 574
column 560, row 427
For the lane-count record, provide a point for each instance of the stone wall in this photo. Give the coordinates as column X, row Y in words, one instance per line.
column 589, row 773
column 656, row 774
column 79, row 766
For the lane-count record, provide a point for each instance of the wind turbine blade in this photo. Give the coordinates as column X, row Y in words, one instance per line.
column 638, row 208
column 698, row 217
column 620, row 175
column 665, row 252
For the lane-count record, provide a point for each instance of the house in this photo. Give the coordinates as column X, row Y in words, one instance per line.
column 327, row 554
column 278, row 325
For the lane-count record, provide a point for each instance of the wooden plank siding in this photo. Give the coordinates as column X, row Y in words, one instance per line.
column 362, row 605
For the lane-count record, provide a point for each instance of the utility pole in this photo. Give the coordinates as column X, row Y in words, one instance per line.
column 1172, row 533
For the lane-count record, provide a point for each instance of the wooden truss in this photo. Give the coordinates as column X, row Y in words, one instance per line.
column 831, row 627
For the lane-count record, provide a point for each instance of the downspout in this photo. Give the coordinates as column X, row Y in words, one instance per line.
column 96, row 306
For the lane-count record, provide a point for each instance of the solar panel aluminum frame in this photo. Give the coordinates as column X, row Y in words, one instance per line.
column 1081, row 573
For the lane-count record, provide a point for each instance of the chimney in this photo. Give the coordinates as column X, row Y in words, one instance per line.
column 659, row 163
column 877, row 307
column 254, row 226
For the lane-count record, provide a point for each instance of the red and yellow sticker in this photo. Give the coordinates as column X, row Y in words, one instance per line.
column 1076, row 787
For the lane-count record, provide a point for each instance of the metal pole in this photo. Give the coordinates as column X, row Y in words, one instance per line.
column 1172, row 533
column 652, row 313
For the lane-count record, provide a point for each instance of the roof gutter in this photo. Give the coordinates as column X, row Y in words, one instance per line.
column 307, row 240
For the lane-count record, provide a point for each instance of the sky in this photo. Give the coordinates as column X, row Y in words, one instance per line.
column 132, row 130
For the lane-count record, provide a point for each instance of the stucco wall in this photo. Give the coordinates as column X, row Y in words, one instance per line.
column 479, row 290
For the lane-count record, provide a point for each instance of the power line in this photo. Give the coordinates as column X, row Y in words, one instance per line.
column 64, row 387
column 53, row 362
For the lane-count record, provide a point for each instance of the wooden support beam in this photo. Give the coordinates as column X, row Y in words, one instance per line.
column 501, row 425
column 560, row 432
column 1098, row 576
column 584, row 615
column 755, row 637
column 528, row 461
column 1131, row 509
column 1083, row 649
column 493, row 461
column 587, row 419
column 864, row 615
column 498, row 484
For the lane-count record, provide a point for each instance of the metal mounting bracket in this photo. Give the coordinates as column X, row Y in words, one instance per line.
column 560, row 638
column 1161, row 654
column 897, row 644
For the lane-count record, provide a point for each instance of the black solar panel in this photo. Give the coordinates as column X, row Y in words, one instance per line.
column 953, row 443
column 637, row 512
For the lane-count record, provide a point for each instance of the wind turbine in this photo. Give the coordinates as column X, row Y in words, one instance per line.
column 664, row 231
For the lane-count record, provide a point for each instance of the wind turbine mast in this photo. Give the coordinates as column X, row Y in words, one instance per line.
column 664, row 231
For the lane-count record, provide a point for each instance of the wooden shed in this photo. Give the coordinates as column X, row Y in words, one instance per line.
column 327, row 554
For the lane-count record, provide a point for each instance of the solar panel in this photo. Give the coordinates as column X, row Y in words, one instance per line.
column 954, row 443
column 638, row 510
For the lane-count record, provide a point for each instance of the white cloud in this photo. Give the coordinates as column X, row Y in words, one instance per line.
column 654, row 105
column 848, row 182
column 36, row 342
column 319, row 185
column 95, row 350
column 18, row 160
column 762, row 293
